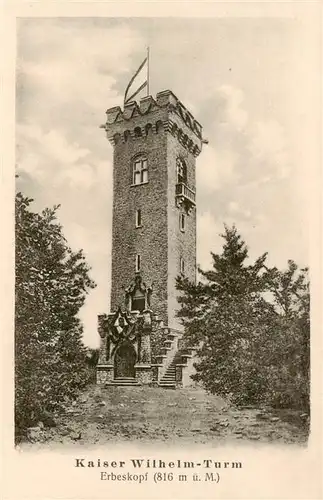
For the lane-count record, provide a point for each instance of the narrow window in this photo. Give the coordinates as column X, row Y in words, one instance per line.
column 181, row 171
column 182, row 265
column 138, row 218
column 182, row 222
column 140, row 171
column 138, row 263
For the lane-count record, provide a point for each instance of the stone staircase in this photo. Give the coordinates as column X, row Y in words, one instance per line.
column 172, row 361
column 123, row 381
column 168, row 380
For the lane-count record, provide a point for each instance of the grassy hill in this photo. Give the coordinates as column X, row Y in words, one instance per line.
column 173, row 417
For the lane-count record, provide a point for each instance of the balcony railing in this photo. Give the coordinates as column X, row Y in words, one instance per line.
column 184, row 193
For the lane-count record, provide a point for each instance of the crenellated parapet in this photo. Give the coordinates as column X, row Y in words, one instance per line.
column 153, row 116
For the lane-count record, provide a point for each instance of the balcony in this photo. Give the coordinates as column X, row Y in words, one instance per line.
column 185, row 196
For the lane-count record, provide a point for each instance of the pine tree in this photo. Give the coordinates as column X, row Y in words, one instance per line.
column 222, row 315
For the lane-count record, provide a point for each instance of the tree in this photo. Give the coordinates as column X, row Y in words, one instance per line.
column 51, row 285
column 290, row 288
column 243, row 341
column 221, row 316
column 290, row 385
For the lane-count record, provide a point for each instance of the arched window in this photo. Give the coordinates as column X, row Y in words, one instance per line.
column 140, row 170
column 181, row 171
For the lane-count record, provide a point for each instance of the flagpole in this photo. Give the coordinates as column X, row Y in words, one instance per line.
column 147, row 70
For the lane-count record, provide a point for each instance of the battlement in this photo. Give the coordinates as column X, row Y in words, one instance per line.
column 164, row 112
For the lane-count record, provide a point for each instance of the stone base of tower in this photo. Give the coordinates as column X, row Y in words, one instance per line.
column 138, row 349
column 144, row 374
column 104, row 374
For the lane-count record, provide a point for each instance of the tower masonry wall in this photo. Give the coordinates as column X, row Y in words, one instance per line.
column 181, row 244
column 163, row 130
column 149, row 240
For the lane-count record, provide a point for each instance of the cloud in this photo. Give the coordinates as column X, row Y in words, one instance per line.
column 72, row 67
column 53, row 144
column 244, row 177
column 260, row 146
column 49, row 155
column 234, row 112
column 235, row 209
column 208, row 231
column 215, row 169
column 268, row 145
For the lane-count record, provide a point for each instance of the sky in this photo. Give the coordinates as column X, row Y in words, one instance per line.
column 245, row 80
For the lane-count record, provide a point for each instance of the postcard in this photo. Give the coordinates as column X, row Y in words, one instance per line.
column 161, row 200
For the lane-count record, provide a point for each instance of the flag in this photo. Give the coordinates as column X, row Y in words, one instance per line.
column 138, row 82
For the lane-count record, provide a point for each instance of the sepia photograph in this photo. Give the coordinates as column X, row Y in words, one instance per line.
column 162, row 287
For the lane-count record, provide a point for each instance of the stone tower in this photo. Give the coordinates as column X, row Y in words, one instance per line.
column 154, row 220
column 155, row 145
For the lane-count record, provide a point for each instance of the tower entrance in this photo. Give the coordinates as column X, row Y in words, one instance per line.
column 124, row 361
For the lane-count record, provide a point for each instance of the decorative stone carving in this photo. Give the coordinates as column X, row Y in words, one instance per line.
column 146, row 324
column 122, row 328
column 182, row 202
column 102, row 319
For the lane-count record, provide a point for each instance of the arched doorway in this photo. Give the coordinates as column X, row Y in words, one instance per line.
column 124, row 361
